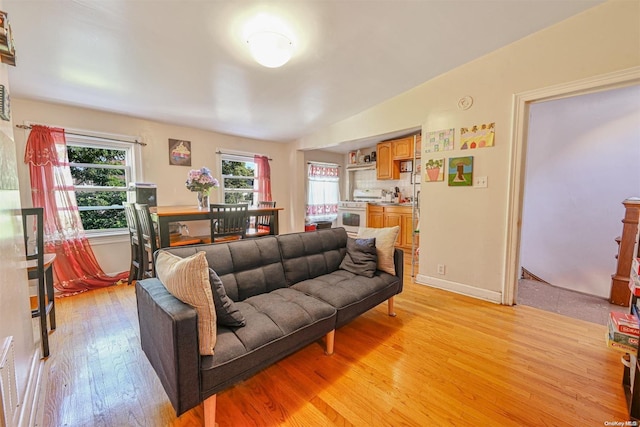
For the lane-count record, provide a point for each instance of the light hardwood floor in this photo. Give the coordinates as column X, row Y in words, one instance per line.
column 444, row 360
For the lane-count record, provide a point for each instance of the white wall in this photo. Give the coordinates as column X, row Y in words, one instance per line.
column 466, row 228
column 583, row 160
column 113, row 253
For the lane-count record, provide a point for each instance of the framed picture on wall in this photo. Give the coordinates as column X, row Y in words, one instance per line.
column 352, row 158
column 179, row 152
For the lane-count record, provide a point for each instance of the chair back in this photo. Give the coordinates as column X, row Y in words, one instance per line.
column 135, row 239
column 147, row 235
column 33, row 229
column 132, row 222
column 39, row 267
column 263, row 222
column 228, row 221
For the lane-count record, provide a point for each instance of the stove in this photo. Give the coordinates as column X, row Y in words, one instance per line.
column 352, row 214
column 362, row 197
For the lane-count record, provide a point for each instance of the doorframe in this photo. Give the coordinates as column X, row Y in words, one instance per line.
column 518, row 149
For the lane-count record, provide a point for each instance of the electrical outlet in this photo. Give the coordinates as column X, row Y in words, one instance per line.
column 480, row 182
column 441, row 268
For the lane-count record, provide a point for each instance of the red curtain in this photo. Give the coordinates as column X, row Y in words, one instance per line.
column 264, row 178
column 75, row 267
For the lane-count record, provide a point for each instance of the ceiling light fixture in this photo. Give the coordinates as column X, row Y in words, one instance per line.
column 270, row 49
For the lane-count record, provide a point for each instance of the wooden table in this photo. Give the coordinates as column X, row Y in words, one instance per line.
column 164, row 215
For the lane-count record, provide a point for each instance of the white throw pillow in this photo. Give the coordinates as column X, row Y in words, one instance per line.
column 385, row 241
column 188, row 280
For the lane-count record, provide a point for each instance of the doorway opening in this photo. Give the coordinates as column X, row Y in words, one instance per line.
column 520, row 207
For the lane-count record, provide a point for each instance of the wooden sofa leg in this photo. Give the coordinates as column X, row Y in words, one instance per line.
column 392, row 312
column 329, row 342
column 210, row 411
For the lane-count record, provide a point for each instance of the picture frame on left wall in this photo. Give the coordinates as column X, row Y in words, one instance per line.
column 179, row 152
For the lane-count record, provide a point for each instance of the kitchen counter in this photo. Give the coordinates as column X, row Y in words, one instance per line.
column 409, row 204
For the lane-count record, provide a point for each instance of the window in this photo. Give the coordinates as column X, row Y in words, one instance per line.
column 323, row 191
column 239, row 179
column 101, row 170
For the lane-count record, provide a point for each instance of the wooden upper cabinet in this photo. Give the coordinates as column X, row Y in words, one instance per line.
column 418, row 146
column 402, row 149
column 385, row 166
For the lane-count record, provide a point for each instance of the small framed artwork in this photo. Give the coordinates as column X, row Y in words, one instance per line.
column 179, row 152
column 434, row 170
column 352, row 158
column 478, row 136
column 461, row 171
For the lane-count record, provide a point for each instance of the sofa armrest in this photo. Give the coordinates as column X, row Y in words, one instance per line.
column 169, row 338
column 398, row 260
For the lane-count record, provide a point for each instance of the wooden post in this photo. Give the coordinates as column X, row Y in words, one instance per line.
column 620, row 292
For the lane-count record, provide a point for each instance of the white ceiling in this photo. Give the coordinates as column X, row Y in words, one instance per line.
column 186, row 62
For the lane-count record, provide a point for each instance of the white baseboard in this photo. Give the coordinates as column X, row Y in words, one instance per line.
column 32, row 394
column 459, row 288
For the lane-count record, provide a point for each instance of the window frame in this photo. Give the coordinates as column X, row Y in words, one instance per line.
column 132, row 169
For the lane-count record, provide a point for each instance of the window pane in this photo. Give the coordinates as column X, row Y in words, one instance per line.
column 231, row 183
column 98, row 177
column 101, row 156
column 103, row 219
column 238, row 197
column 233, row 168
column 94, row 218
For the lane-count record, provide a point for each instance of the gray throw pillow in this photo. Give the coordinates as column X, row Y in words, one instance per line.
column 361, row 257
column 227, row 313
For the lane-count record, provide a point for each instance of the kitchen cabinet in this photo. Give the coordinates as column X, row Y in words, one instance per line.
column 386, row 168
column 375, row 216
column 389, row 216
column 392, row 153
column 402, row 149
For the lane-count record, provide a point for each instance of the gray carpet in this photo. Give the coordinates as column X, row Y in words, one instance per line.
column 568, row 303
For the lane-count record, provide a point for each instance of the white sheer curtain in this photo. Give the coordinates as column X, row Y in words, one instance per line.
column 323, row 192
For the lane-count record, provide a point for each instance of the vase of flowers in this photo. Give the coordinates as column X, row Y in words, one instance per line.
column 201, row 181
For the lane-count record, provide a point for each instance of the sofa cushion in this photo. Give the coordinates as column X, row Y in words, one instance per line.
column 248, row 267
column 351, row 294
column 361, row 257
column 227, row 313
column 277, row 323
column 312, row 254
column 385, row 245
column 188, row 280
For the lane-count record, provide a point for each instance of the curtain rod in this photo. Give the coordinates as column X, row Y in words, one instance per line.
column 311, row 162
column 240, row 155
column 91, row 136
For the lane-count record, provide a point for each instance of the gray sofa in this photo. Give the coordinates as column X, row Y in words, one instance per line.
column 291, row 293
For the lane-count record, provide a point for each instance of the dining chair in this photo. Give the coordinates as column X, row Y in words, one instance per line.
column 228, row 221
column 149, row 239
column 262, row 226
column 136, row 271
column 39, row 267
